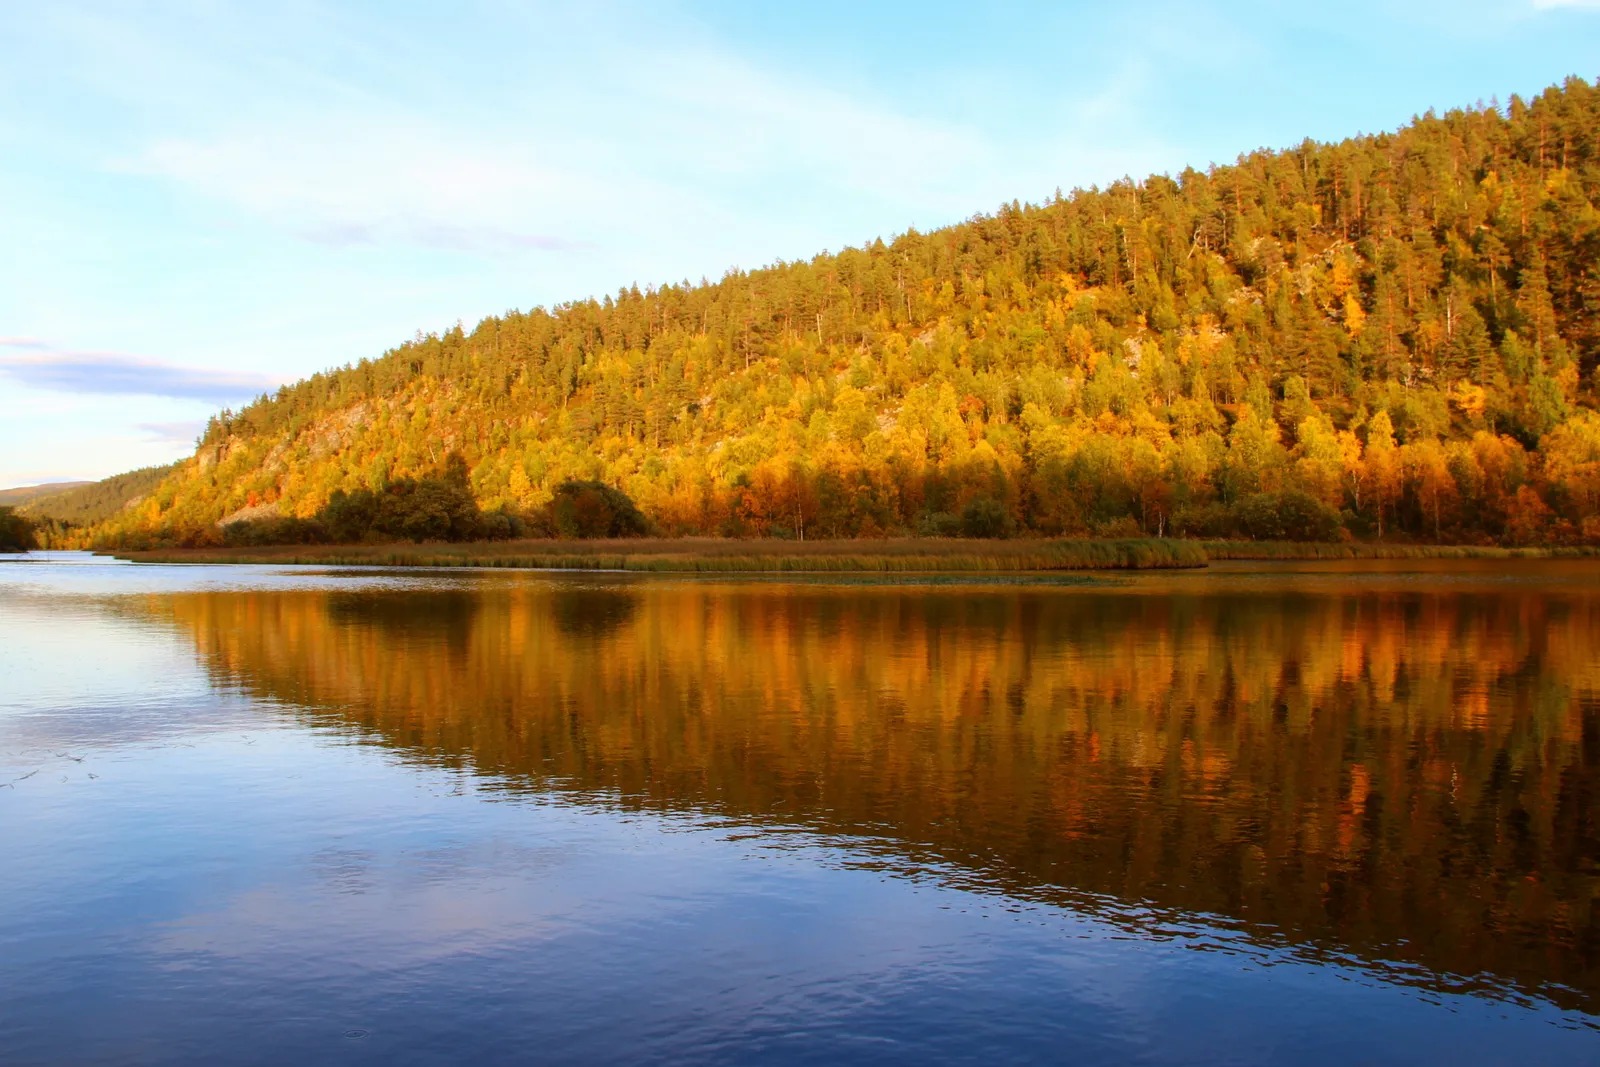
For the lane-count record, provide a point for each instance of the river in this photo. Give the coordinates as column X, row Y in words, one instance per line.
column 1293, row 813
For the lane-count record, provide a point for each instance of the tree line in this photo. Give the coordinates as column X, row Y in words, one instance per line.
column 441, row 507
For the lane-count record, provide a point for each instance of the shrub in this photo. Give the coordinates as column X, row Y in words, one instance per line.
column 593, row 509
column 277, row 531
column 500, row 525
column 429, row 509
column 986, row 517
column 348, row 516
column 1211, row 521
column 938, row 524
column 1287, row 516
column 437, row 508
column 1122, row 528
column 16, row 532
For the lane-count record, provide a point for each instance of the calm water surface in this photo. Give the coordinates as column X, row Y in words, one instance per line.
column 1263, row 814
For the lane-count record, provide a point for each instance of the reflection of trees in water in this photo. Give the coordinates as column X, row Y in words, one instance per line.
column 428, row 616
column 591, row 612
column 1413, row 777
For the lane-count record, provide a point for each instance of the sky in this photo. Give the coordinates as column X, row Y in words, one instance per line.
column 202, row 200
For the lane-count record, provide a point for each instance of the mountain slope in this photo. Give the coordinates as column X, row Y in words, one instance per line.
column 86, row 503
column 27, row 494
column 1404, row 327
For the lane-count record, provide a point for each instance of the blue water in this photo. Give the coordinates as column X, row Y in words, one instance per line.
column 198, row 869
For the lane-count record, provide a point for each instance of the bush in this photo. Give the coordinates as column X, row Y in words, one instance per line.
column 1288, row 516
column 594, row 509
column 1122, row 528
column 986, row 517
column 426, row 509
column 429, row 509
column 938, row 524
column 501, row 525
column 1305, row 518
column 349, row 516
column 1213, row 521
column 280, row 531
column 16, row 532
column 438, row 508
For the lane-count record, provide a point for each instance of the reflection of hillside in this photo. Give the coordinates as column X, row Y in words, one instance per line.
column 1412, row 777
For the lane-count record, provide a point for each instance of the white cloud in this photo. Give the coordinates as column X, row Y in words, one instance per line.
column 37, row 364
column 369, row 177
column 718, row 129
column 620, row 135
column 47, row 435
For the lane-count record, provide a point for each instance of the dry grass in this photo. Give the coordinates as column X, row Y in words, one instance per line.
column 708, row 555
column 1294, row 550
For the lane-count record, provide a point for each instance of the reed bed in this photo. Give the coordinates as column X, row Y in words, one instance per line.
column 1295, row 550
column 707, row 556
column 898, row 556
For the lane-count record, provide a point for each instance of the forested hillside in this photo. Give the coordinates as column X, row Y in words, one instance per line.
column 1396, row 335
column 27, row 494
column 83, row 503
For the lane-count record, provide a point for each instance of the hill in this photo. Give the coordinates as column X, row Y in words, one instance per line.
column 87, row 503
column 26, row 494
column 1393, row 335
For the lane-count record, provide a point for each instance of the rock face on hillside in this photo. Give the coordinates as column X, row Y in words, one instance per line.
column 251, row 513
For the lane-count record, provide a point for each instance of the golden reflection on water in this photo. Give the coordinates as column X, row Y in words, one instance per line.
column 1404, row 774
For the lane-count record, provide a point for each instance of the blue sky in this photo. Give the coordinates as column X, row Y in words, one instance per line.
column 199, row 200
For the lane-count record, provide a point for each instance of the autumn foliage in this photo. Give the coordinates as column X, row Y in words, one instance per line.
column 1391, row 337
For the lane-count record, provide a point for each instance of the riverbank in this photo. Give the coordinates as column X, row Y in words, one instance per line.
column 935, row 555
column 710, row 555
column 1298, row 550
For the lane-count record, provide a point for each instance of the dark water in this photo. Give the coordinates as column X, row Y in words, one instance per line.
column 1278, row 814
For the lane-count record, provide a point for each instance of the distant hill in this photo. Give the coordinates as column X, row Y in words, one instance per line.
column 26, row 493
column 1395, row 334
column 87, row 503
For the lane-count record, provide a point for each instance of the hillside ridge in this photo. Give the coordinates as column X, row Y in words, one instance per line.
column 19, row 495
column 1393, row 335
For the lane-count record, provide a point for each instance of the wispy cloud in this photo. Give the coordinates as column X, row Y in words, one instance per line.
column 632, row 139
column 40, row 365
column 435, row 236
column 179, row 434
column 360, row 178
column 485, row 239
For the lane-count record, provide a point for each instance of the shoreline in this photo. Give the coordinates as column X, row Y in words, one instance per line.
column 891, row 556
